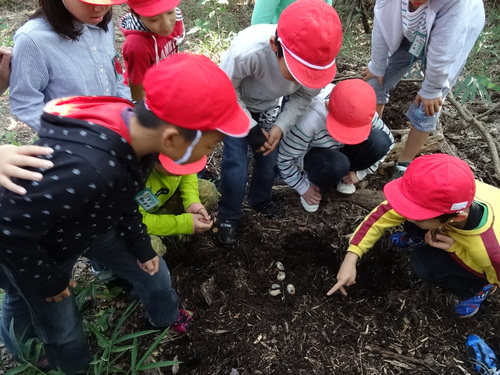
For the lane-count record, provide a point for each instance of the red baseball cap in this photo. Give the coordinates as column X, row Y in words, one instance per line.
column 150, row 8
column 351, row 109
column 431, row 186
column 104, row 2
column 192, row 92
column 182, row 169
column 310, row 34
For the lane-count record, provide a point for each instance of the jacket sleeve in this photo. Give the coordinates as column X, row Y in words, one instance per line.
column 373, row 227
column 446, row 40
column 295, row 107
column 189, row 190
column 28, row 80
column 135, row 233
column 26, row 220
column 294, row 146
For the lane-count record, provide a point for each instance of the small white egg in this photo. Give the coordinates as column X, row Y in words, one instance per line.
column 281, row 276
column 274, row 292
column 280, row 266
column 290, row 289
column 275, row 286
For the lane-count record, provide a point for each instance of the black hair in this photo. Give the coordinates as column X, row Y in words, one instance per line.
column 62, row 21
column 149, row 120
column 279, row 53
column 444, row 218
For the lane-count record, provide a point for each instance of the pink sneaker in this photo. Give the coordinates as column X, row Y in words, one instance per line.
column 185, row 316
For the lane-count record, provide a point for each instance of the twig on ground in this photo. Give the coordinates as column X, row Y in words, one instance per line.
column 468, row 117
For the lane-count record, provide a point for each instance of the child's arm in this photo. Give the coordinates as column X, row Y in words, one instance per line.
column 12, row 158
column 137, row 92
column 346, row 275
column 5, row 57
column 454, row 31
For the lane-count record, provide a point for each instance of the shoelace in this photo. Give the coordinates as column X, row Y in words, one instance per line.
column 484, row 369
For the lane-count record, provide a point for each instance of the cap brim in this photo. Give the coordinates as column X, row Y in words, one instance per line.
column 182, row 169
column 403, row 206
column 104, row 2
column 309, row 77
column 346, row 135
column 237, row 126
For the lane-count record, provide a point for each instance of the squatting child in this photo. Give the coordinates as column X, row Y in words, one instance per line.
column 337, row 142
column 438, row 193
column 180, row 201
column 104, row 150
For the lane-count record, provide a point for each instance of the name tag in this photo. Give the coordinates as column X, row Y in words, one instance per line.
column 418, row 44
column 146, row 199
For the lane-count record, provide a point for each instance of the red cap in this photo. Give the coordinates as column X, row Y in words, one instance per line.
column 182, row 169
column 310, row 34
column 150, row 8
column 191, row 92
column 351, row 109
column 104, row 2
column 431, row 186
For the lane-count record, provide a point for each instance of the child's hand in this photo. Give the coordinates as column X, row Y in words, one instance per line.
column 198, row 208
column 312, row 195
column 201, row 224
column 350, row 178
column 346, row 275
column 274, row 139
column 368, row 75
column 151, row 266
column 64, row 294
column 431, row 106
column 439, row 240
column 13, row 157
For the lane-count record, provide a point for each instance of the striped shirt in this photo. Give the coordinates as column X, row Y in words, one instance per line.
column 413, row 22
column 46, row 66
column 310, row 132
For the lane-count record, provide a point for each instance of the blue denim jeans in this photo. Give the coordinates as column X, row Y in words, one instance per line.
column 399, row 65
column 58, row 324
column 438, row 267
column 233, row 180
column 325, row 167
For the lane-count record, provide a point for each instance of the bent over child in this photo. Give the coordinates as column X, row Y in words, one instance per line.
column 461, row 252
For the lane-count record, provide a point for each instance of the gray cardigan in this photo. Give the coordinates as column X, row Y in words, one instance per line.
column 452, row 29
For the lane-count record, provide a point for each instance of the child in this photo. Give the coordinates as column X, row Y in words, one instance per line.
column 337, row 146
column 439, row 33
column 438, row 193
column 177, row 207
column 154, row 30
column 104, row 151
column 5, row 57
column 269, row 11
column 66, row 48
column 265, row 63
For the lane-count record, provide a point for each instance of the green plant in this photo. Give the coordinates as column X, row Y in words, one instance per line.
column 472, row 86
column 115, row 347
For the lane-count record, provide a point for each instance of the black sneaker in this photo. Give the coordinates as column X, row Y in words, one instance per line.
column 270, row 209
column 227, row 233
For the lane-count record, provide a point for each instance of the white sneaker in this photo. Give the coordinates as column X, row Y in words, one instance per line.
column 309, row 207
column 346, row 188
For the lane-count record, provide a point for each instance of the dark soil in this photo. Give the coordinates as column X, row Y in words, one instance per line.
column 390, row 323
